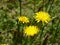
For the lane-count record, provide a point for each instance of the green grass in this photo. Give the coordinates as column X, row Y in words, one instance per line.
column 10, row 26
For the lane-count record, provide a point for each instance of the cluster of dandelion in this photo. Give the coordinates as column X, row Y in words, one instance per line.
column 31, row 30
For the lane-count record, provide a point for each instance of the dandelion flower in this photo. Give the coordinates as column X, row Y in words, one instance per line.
column 42, row 16
column 31, row 30
column 23, row 19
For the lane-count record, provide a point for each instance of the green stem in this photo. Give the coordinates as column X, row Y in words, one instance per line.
column 41, row 33
column 18, row 35
column 20, row 1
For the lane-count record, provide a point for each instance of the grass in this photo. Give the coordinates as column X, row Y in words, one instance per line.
column 11, row 29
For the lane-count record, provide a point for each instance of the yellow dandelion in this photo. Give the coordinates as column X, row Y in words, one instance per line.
column 31, row 30
column 42, row 16
column 23, row 19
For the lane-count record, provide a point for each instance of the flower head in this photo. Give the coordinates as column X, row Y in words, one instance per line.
column 23, row 19
column 42, row 16
column 31, row 30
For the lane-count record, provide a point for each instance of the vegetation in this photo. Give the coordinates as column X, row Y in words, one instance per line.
column 29, row 22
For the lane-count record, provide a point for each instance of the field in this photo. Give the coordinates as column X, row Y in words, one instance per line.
column 29, row 22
